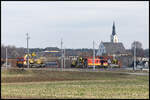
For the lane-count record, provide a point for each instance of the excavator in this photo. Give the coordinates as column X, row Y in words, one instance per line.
column 79, row 63
column 34, row 61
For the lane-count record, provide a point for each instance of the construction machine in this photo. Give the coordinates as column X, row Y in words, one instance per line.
column 100, row 61
column 34, row 61
column 115, row 63
column 81, row 62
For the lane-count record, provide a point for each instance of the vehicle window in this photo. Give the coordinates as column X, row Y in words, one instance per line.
column 96, row 61
column 51, row 63
column 101, row 57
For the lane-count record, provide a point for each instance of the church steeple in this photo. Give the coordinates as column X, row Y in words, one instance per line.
column 114, row 38
column 113, row 29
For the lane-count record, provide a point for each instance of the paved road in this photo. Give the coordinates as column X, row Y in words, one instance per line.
column 139, row 73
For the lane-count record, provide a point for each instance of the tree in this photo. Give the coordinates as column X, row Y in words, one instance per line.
column 12, row 51
column 3, row 51
column 146, row 52
column 139, row 49
column 137, row 44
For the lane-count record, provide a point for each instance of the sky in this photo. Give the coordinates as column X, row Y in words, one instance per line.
column 78, row 23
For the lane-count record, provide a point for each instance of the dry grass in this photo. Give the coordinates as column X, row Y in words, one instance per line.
column 56, row 84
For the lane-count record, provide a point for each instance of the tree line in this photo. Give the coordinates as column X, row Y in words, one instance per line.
column 14, row 52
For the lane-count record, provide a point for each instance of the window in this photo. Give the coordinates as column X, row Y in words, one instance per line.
column 96, row 61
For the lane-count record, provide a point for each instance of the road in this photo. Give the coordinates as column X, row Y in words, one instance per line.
column 139, row 73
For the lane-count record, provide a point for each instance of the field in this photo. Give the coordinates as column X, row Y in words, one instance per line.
column 46, row 84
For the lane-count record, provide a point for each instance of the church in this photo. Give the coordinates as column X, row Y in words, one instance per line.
column 112, row 48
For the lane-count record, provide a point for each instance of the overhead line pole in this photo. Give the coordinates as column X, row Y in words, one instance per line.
column 6, row 57
column 93, row 56
column 61, row 54
column 134, row 56
column 27, row 50
column 64, row 58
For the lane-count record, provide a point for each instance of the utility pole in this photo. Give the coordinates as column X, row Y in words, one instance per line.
column 93, row 56
column 61, row 55
column 134, row 56
column 28, row 49
column 6, row 57
column 64, row 58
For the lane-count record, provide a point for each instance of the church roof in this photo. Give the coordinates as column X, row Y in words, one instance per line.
column 114, row 48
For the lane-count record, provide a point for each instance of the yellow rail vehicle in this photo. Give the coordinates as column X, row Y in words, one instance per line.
column 34, row 61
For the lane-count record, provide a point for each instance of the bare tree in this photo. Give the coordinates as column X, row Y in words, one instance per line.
column 137, row 44
column 12, row 51
column 3, row 51
column 139, row 49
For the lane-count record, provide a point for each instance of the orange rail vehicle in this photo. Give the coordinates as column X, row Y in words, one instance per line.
column 98, row 62
column 20, row 61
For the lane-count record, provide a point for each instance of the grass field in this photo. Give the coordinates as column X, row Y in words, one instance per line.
column 17, row 83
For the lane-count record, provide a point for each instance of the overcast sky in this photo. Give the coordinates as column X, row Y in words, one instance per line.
column 77, row 22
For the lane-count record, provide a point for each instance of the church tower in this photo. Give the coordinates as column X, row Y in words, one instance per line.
column 114, row 37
